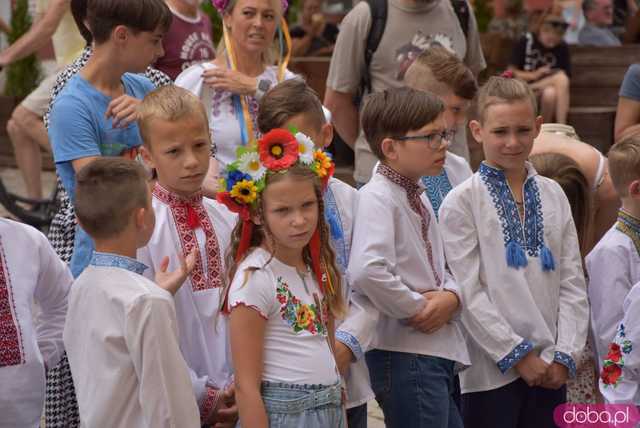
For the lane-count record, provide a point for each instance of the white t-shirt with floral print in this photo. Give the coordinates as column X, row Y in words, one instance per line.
column 295, row 343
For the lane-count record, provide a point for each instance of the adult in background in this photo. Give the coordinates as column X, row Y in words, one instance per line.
column 628, row 112
column 412, row 26
column 188, row 41
column 231, row 85
column 599, row 16
column 313, row 36
column 25, row 128
column 541, row 58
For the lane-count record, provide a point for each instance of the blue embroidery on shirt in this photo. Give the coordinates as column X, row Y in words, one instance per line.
column 332, row 216
column 351, row 342
column 116, row 260
column 565, row 360
column 437, row 187
column 514, row 356
column 518, row 238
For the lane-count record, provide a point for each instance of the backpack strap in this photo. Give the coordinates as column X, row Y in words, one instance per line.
column 378, row 22
column 461, row 8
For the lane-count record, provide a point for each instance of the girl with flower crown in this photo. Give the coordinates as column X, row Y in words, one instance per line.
column 285, row 289
column 248, row 63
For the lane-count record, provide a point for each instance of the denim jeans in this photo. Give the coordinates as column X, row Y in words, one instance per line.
column 414, row 390
column 303, row 406
column 357, row 416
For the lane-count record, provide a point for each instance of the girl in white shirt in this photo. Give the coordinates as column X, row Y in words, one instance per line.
column 285, row 287
column 512, row 246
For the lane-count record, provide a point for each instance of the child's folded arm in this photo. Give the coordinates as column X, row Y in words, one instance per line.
column 51, row 293
column 480, row 316
column 373, row 258
column 358, row 328
column 573, row 305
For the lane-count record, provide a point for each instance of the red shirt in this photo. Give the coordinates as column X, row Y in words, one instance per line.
column 187, row 42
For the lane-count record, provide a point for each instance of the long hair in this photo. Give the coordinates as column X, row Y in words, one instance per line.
column 335, row 302
column 566, row 172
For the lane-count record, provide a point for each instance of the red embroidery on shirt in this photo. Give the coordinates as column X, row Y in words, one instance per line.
column 11, row 348
column 180, row 208
column 413, row 195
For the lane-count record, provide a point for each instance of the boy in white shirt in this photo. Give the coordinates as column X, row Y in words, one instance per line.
column 397, row 261
column 121, row 330
column 30, row 271
column 614, row 263
column 293, row 104
column 176, row 144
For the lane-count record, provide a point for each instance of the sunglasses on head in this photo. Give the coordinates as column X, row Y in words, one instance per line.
column 557, row 25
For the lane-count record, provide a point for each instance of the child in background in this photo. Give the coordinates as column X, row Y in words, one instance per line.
column 174, row 128
column 121, row 330
column 30, row 272
column 566, row 172
column 286, row 290
column 526, row 308
column 293, row 104
column 614, row 263
column 397, row 261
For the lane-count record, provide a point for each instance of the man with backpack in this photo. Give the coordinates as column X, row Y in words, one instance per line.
column 378, row 40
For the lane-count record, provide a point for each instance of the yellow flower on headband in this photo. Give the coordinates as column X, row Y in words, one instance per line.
column 244, row 191
column 322, row 163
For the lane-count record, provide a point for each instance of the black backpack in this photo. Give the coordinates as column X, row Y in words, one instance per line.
column 379, row 21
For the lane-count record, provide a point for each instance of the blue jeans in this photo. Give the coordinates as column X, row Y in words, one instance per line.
column 303, row 406
column 414, row 390
column 357, row 416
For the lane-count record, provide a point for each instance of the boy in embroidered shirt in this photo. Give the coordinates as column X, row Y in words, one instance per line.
column 440, row 72
column 526, row 307
column 397, row 261
column 293, row 104
column 95, row 113
column 614, row 263
column 28, row 348
column 174, row 129
column 121, row 330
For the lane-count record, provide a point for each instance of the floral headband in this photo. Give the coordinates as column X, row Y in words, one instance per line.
column 244, row 179
column 221, row 5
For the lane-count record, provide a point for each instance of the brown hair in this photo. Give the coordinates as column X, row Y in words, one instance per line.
column 108, row 190
column 499, row 90
column 394, row 112
column 336, row 302
column 624, row 163
column 139, row 15
column 286, row 100
column 168, row 103
column 439, row 71
column 566, row 172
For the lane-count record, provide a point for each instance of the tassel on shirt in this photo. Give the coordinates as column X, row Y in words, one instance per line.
column 546, row 257
column 516, row 257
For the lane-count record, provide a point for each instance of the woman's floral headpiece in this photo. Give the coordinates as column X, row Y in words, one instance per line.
column 221, row 5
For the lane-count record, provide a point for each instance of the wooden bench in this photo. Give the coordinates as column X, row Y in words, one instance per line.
column 314, row 69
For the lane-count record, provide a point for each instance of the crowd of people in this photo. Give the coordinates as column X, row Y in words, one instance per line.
column 206, row 268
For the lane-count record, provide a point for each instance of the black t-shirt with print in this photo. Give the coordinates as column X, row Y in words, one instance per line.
column 529, row 55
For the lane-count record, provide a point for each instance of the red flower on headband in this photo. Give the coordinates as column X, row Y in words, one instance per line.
column 278, row 149
column 508, row 74
column 229, row 201
column 610, row 374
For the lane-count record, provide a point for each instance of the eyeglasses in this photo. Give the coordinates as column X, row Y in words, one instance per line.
column 434, row 140
column 557, row 25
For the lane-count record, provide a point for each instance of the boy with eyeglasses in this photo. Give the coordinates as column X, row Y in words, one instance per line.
column 397, row 260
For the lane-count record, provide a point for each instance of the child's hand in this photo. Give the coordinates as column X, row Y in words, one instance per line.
column 172, row 281
column 544, row 71
column 556, row 376
column 440, row 307
column 123, row 110
column 532, row 369
column 227, row 413
column 344, row 356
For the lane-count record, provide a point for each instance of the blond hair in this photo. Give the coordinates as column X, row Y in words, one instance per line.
column 501, row 90
column 624, row 163
column 168, row 103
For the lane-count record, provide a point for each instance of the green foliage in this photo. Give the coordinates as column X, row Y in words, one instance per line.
column 216, row 21
column 483, row 11
column 23, row 75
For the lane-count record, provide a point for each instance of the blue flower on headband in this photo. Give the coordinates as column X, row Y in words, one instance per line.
column 235, row 176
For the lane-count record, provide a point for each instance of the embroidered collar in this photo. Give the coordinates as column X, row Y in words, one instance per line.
column 520, row 239
column 116, row 260
column 436, row 188
column 395, row 177
column 173, row 199
column 630, row 226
